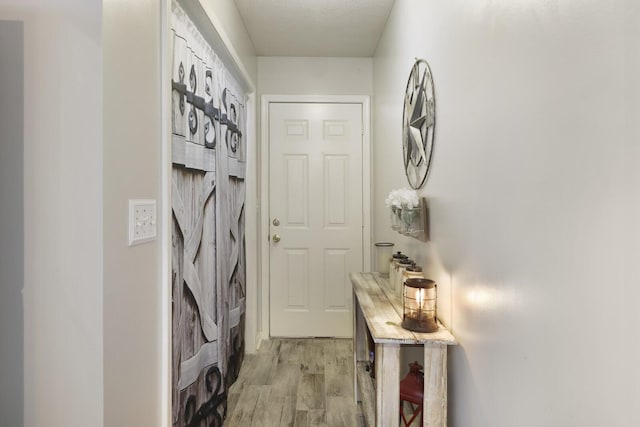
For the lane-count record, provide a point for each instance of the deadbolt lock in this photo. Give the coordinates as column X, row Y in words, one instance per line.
column 276, row 222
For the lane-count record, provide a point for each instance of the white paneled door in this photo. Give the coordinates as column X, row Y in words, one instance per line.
column 316, row 216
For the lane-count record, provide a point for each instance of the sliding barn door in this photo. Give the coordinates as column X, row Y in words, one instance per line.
column 208, row 252
column 233, row 171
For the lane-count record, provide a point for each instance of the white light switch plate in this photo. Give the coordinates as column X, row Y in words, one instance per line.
column 142, row 221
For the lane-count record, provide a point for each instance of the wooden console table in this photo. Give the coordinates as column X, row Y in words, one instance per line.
column 379, row 309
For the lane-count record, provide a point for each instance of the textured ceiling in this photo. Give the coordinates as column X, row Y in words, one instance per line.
column 315, row 27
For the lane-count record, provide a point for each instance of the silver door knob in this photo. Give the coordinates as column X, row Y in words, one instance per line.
column 276, row 238
column 276, row 222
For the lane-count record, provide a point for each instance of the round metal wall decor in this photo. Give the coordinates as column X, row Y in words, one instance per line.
column 418, row 124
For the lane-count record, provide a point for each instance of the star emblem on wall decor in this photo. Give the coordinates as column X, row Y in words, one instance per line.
column 418, row 124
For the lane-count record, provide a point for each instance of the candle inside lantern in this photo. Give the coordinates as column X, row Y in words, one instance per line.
column 410, row 272
column 419, row 305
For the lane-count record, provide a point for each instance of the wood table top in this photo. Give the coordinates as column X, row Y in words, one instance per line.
column 382, row 310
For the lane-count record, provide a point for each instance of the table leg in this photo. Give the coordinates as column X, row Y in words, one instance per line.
column 360, row 352
column 387, row 385
column 435, row 385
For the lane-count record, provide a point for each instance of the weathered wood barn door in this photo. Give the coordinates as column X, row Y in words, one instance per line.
column 233, row 275
column 208, row 254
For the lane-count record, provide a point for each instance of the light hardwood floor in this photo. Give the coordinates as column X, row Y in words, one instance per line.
column 295, row 382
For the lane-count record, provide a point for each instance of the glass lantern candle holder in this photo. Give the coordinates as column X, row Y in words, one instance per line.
column 383, row 256
column 393, row 266
column 396, row 220
column 412, row 222
column 410, row 273
column 402, row 266
column 409, row 221
column 419, row 305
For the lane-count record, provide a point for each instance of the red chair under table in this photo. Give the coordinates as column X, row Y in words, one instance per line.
column 412, row 392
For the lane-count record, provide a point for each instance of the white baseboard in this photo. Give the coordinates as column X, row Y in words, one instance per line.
column 260, row 337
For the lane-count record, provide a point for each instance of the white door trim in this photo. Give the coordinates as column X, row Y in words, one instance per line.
column 364, row 100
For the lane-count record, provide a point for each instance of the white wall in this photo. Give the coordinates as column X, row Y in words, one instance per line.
column 314, row 76
column 133, row 147
column 11, row 222
column 79, row 371
column 132, row 170
column 62, row 210
column 229, row 23
column 625, row 294
column 534, row 200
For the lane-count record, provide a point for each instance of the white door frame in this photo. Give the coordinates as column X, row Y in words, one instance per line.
column 364, row 100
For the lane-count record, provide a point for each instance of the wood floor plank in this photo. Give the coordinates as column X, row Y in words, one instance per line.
column 284, row 379
column 317, row 418
column 243, row 411
column 273, row 411
column 311, row 384
column 329, row 353
column 263, row 364
column 339, row 379
column 259, row 414
column 302, row 419
column 297, row 352
column 295, row 382
column 246, row 373
column 288, row 412
column 284, row 349
column 339, row 369
column 313, row 356
column 232, row 400
column 311, row 392
column 341, row 412
column 344, row 350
